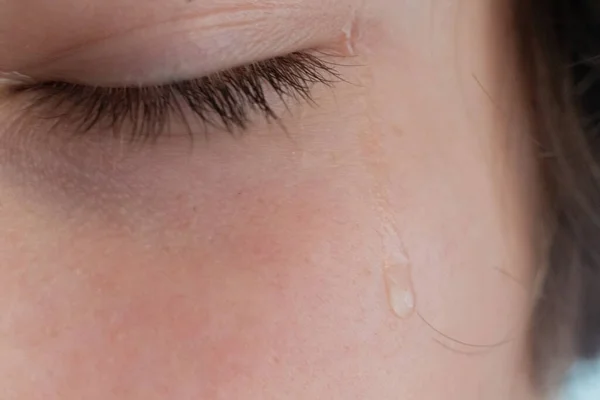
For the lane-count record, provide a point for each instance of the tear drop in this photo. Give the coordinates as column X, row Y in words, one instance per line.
column 399, row 289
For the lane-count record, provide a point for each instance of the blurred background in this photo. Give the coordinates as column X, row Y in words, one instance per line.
column 584, row 382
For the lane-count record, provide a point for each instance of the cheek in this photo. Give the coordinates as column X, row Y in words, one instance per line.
column 463, row 189
column 268, row 284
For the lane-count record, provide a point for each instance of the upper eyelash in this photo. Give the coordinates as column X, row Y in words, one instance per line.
column 224, row 100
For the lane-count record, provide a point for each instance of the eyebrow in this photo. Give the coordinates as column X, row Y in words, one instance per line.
column 211, row 32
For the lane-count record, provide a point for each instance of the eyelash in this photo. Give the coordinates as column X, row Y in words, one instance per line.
column 226, row 100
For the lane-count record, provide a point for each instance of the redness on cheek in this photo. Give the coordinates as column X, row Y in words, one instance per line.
column 206, row 317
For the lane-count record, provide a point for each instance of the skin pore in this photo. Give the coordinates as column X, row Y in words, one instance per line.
column 254, row 266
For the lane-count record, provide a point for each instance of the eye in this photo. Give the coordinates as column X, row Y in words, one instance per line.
column 228, row 100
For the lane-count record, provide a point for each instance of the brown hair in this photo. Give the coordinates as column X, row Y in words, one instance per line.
column 560, row 51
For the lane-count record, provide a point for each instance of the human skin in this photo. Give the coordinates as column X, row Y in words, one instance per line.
column 253, row 267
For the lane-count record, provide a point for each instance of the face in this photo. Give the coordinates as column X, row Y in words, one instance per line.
column 372, row 238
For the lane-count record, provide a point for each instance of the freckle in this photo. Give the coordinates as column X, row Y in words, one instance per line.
column 51, row 332
column 334, row 157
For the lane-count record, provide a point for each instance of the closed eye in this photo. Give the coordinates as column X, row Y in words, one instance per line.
column 226, row 100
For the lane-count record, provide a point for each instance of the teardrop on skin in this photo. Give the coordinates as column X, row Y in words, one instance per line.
column 349, row 31
column 399, row 289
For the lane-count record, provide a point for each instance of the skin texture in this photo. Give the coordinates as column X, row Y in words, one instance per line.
column 253, row 267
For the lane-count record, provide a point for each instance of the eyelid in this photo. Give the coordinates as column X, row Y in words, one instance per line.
column 196, row 44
